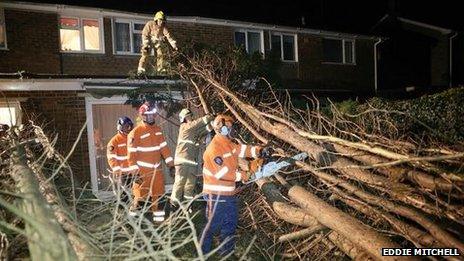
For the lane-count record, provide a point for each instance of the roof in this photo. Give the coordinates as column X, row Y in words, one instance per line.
column 99, row 12
column 386, row 17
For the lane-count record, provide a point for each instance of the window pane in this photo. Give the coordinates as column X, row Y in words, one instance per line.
column 289, row 47
column 240, row 39
column 138, row 27
column 137, row 38
column 122, row 37
column 254, row 42
column 276, row 45
column 91, row 35
column 8, row 116
column 332, row 50
column 70, row 40
column 349, row 58
column 69, row 22
column 2, row 36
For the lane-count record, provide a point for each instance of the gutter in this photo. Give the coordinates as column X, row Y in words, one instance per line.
column 375, row 65
column 451, row 59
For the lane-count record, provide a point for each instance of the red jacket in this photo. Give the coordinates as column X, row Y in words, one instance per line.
column 220, row 169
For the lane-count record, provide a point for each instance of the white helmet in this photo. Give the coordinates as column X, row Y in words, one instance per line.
column 184, row 113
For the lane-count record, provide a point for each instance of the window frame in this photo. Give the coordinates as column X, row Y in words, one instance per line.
column 132, row 31
column 2, row 15
column 295, row 45
column 17, row 106
column 246, row 31
column 353, row 50
column 80, row 27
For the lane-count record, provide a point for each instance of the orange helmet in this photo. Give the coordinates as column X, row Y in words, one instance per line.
column 222, row 124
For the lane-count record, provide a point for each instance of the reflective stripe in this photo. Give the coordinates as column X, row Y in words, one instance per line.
column 242, row 151
column 122, row 145
column 158, row 219
column 253, row 152
column 180, row 160
column 145, row 136
column 148, row 149
column 114, row 156
column 132, row 150
column 208, row 128
column 238, row 176
column 148, row 165
column 222, row 172
column 126, row 169
column 158, row 133
column 233, row 151
column 188, row 197
column 207, row 172
column 133, row 167
column 205, row 120
column 218, row 187
column 116, row 168
column 162, row 145
column 228, row 154
column 188, row 141
column 168, row 159
column 159, row 213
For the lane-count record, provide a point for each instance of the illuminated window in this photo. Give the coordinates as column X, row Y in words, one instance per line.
column 127, row 36
column 80, row 35
column 10, row 113
column 2, row 30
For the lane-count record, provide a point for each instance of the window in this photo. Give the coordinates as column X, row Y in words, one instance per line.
column 2, row 30
column 127, row 36
column 252, row 41
column 80, row 35
column 339, row 51
column 285, row 46
column 10, row 113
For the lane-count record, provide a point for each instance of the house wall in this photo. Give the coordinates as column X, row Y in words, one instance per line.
column 62, row 113
column 33, row 43
column 439, row 55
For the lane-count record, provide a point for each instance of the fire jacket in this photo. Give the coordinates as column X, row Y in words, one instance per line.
column 153, row 33
column 221, row 169
column 188, row 145
column 146, row 146
column 116, row 153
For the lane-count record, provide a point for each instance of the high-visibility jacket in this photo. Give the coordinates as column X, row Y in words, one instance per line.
column 155, row 34
column 146, row 147
column 221, row 169
column 116, row 153
column 188, row 140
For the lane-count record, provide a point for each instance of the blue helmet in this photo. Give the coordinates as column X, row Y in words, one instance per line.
column 124, row 121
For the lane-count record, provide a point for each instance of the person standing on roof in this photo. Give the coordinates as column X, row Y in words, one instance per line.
column 186, row 158
column 220, row 172
column 147, row 147
column 116, row 153
column 154, row 35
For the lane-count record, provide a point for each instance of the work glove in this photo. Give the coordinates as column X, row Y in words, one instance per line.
column 146, row 48
column 172, row 172
column 266, row 152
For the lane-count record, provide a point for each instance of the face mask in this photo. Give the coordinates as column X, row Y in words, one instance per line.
column 149, row 119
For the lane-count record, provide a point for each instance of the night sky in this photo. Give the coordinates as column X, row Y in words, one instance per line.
column 355, row 16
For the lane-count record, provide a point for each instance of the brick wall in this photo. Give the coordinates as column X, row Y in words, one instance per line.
column 63, row 114
column 33, row 42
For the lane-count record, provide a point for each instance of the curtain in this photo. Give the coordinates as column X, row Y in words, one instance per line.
column 8, row 116
column 2, row 35
column 122, row 37
column 91, row 35
column 70, row 40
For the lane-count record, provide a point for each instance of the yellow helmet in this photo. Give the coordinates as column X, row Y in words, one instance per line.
column 184, row 113
column 159, row 16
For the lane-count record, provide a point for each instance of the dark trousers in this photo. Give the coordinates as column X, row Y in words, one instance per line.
column 222, row 219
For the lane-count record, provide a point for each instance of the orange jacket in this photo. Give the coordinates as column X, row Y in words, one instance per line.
column 220, row 169
column 116, row 153
column 146, row 146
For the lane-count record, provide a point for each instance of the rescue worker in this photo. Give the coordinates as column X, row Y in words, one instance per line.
column 186, row 156
column 154, row 35
column 220, row 172
column 116, row 154
column 147, row 146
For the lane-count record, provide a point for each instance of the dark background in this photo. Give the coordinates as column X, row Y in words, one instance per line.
column 353, row 16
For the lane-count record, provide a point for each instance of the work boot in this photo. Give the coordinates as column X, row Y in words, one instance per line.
column 141, row 71
column 158, row 216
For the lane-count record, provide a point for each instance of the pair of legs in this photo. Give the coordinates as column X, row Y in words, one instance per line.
column 184, row 183
column 150, row 184
column 222, row 219
column 122, row 188
column 160, row 58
